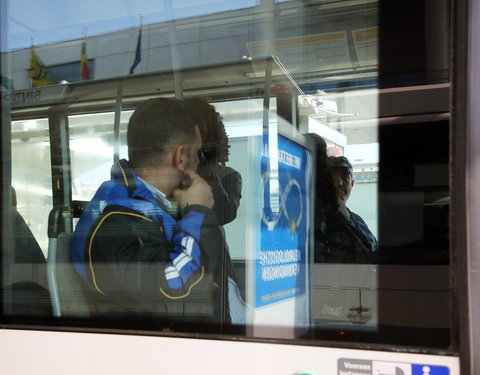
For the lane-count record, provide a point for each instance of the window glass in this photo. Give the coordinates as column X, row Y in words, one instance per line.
column 92, row 149
column 290, row 191
column 31, row 175
column 70, row 72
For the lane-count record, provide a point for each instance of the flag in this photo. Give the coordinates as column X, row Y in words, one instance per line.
column 84, row 70
column 38, row 72
column 138, row 53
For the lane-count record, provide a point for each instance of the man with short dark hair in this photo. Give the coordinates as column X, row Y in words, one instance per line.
column 149, row 242
column 342, row 235
column 342, row 175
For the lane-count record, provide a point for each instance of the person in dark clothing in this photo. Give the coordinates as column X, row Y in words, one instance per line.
column 226, row 182
column 226, row 186
column 341, row 236
column 149, row 241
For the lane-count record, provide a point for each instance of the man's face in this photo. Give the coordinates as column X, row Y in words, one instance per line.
column 343, row 182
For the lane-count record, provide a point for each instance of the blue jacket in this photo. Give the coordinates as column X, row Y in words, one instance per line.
column 135, row 256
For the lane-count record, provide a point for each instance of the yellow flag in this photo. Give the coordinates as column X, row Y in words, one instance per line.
column 84, row 70
column 38, row 72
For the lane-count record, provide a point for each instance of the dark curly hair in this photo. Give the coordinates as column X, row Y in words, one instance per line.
column 215, row 140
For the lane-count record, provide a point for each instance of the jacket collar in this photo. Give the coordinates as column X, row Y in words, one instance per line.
column 137, row 188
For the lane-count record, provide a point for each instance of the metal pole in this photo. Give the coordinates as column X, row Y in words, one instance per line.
column 176, row 62
column 116, row 123
column 473, row 183
column 6, row 172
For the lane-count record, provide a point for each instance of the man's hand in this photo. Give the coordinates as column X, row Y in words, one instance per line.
column 195, row 191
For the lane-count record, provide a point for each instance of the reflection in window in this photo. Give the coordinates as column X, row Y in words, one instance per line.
column 318, row 245
column 69, row 72
column 31, row 175
column 91, row 148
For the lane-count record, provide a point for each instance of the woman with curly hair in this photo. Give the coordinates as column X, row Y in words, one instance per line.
column 226, row 186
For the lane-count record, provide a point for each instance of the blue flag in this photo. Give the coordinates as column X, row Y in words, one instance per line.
column 138, row 53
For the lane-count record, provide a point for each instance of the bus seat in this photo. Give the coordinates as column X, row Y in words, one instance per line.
column 27, row 249
column 27, row 293
column 69, row 297
column 28, row 298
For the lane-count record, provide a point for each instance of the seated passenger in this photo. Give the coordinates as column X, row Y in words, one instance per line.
column 341, row 236
column 149, row 240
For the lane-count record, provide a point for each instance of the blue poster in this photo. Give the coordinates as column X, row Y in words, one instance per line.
column 281, row 259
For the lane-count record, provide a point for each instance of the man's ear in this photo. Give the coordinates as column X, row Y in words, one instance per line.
column 353, row 182
column 179, row 158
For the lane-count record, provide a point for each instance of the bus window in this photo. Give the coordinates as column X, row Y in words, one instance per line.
column 91, row 150
column 31, row 175
column 341, row 231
